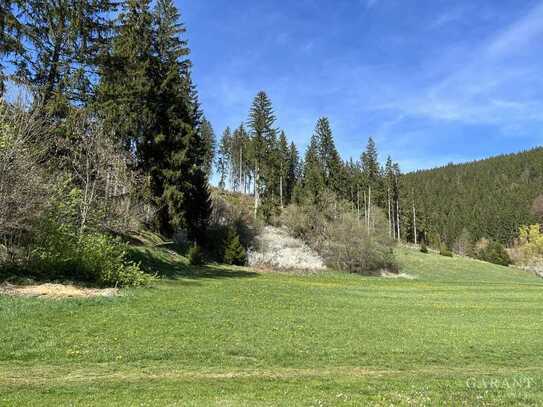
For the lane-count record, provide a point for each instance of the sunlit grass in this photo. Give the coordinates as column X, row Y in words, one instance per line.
column 228, row 336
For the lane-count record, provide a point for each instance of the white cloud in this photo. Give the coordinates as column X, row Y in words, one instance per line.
column 490, row 87
column 447, row 17
column 524, row 32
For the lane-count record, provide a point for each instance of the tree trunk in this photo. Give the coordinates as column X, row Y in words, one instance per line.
column 389, row 214
column 55, row 59
column 369, row 208
column 365, row 208
column 358, row 203
column 107, row 186
column 241, row 169
column 281, row 190
column 398, row 218
column 414, row 222
column 256, row 190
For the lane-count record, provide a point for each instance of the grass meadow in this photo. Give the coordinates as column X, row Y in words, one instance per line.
column 461, row 332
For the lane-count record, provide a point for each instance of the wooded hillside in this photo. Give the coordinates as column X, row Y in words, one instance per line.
column 489, row 198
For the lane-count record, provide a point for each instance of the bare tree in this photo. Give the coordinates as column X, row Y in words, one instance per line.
column 24, row 138
column 537, row 207
column 101, row 170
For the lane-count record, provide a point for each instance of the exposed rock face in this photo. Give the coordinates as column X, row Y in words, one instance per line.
column 279, row 251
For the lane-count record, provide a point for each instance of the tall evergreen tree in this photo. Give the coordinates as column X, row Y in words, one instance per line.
column 293, row 173
column 10, row 36
column 148, row 98
column 248, row 159
column 163, row 146
column 185, row 169
column 283, row 158
column 396, row 198
column 391, row 185
column 372, row 175
column 313, row 178
column 197, row 203
column 370, row 163
column 261, row 124
column 224, row 157
column 127, row 93
column 329, row 156
column 208, row 136
column 63, row 40
column 238, row 154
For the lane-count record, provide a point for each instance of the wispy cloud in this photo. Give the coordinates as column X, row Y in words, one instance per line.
column 447, row 17
column 417, row 76
column 490, row 87
column 521, row 34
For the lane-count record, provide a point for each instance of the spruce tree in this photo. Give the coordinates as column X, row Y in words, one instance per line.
column 329, row 156
column 389, row 181
column 163, row 148
column 238, row 153
column 293, row 173
column 208, row 136
column 129, row 80
column 197, row 204
column 370, row 163
column 62, row 41
column 148, row 98
column 313, row 178
column 11, row 43
column 283, row 159
column 190, row 159
column 396, row 190
column 248, row 159
column 234, row 253
column 372, row 175
column 261, row 125
column 224, row 157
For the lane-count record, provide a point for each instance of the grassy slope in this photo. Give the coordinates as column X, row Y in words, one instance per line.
column 228, row 336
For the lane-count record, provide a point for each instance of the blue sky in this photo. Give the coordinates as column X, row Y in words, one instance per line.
column 432, row 81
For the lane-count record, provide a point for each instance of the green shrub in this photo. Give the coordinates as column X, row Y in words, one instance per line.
column 495, row 253
column 226, row 217
column 529, row 246
column 92, row 257
column 234, row 252
column 64, row 248
column 103, row 260
column 445, row 251
column 340, row 238
column 423, row 247
column 195, row 255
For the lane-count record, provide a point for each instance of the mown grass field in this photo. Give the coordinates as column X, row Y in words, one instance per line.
column 461, row 333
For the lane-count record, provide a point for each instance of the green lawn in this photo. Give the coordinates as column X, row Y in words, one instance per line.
column 461, row 333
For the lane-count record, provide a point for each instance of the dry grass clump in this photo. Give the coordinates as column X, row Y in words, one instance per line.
column 55, row 291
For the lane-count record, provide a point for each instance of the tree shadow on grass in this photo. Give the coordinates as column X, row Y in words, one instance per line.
column 167, row 264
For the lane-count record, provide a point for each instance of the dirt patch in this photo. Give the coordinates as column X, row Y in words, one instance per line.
column 56, row 291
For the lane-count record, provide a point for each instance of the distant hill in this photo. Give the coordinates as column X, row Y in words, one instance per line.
column 489, row 198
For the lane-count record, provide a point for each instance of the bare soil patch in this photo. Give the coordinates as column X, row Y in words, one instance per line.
column 55, row 291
